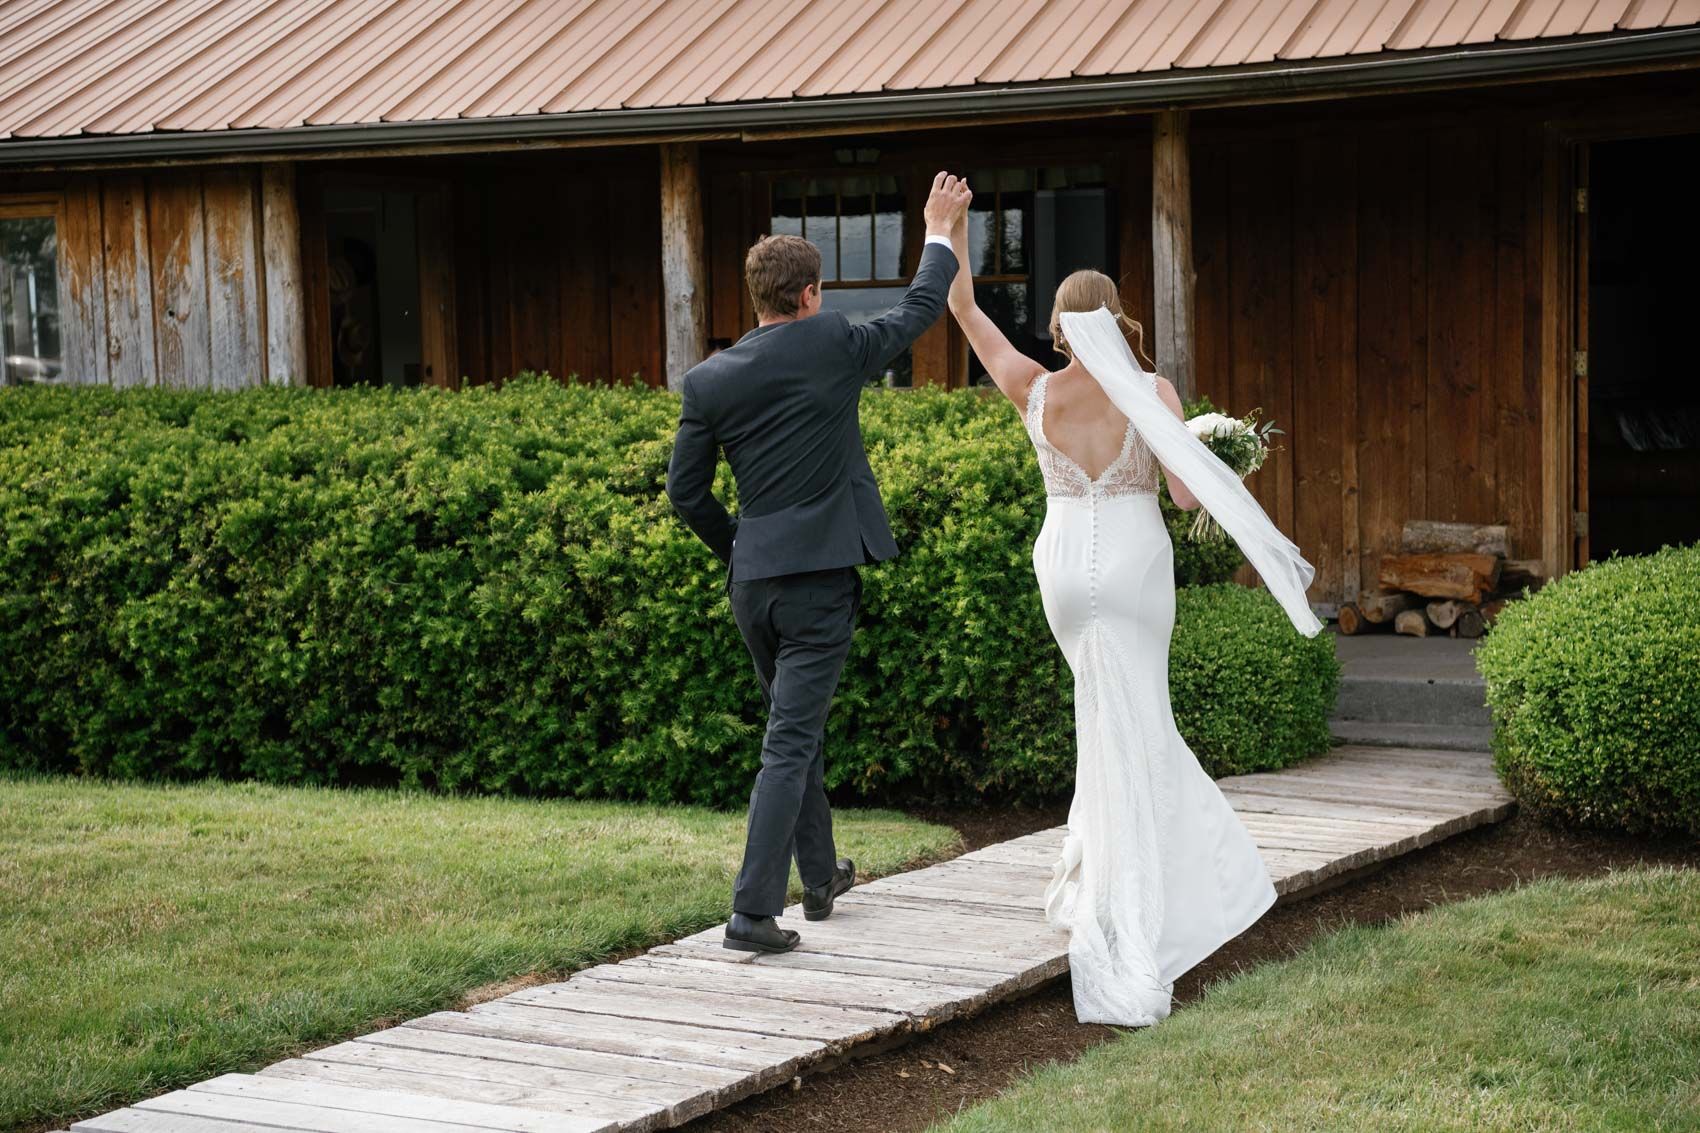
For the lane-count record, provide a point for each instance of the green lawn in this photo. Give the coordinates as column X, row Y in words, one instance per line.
column 1563, row 1005
column 154, row 936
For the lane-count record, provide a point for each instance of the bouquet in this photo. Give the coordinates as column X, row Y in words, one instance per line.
column 1240, row 443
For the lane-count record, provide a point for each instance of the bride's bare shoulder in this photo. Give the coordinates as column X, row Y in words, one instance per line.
column 1167, row 392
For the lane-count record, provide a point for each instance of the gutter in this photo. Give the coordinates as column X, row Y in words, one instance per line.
column 1241, row 85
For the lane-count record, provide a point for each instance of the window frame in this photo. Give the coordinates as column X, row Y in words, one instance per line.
column 838, row 176
column 32, row 205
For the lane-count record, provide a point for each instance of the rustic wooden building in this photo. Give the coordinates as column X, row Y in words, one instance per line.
column 1446, row 245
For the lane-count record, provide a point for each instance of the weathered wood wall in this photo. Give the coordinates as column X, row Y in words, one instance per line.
column 559, row 270
column 1377, row 292
column 165, row 276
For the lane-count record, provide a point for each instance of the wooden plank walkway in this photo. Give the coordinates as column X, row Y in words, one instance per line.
column 689, row 1027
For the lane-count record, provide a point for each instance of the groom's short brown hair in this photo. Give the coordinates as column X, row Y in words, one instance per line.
column 777, row 269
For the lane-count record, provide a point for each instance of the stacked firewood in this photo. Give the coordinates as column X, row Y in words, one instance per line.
column 1448, row 578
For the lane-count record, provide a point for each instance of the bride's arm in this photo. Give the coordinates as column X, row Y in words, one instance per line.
column 1178, row 491
column 1012, row 370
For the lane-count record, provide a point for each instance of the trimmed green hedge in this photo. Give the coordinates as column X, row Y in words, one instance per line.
column 1594, row 683
column 487, row 591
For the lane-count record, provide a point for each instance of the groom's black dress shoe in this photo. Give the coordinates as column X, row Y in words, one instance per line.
column 758, row 934
column 817, row 902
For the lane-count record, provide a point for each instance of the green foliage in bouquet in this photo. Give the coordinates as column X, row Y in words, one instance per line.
column 488, row 592
column 1198, row 563
column 1594, row 683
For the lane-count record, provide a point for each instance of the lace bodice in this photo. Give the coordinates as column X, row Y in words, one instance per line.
column 1133, row 472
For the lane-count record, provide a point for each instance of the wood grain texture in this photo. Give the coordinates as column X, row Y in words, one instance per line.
column 1173, row 281
column 129, row 281
column 283, row 276
column 235, row 322
column 684, row 261
column 177, row 252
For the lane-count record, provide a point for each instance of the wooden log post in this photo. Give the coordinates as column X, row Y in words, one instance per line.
column 1171, row 250
column 285, row 297
column 684, row 263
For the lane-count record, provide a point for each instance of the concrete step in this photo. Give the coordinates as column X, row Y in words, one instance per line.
column 1442, row 737
column 1448, row 701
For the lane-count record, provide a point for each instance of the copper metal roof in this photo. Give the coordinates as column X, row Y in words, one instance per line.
column 123, row 67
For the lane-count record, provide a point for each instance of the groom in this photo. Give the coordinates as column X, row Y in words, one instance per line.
column 782, row 403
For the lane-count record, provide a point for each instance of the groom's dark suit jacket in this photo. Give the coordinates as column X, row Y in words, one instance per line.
column 782, row 404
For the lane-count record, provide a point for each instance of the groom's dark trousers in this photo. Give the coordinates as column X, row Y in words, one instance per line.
column 781, row 403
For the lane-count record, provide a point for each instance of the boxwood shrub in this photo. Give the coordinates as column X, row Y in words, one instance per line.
column 1594, row 684
column 487, row 591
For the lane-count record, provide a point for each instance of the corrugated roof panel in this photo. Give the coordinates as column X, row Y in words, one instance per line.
column 1249, row 31
column 966, row 44
column 172, row 68
column 689, row 78
column 433, row 40
column 805, row 41
column 1418, row 28
column 1142, row 21
column 255, row 61
column 301, row 62
column 131, row 66
column 876, row 52
column 1190, row 20
column 102, row 49
column 1054, row 43
column 646, row 48
column 1604, row 17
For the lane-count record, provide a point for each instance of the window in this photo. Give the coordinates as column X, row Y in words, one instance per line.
column 29, row 294
column 1027, row 229
column 857, row 223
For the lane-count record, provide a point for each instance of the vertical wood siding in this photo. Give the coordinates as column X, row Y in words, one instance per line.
column 1377, row 293
column 559, row 271
column 164, row 278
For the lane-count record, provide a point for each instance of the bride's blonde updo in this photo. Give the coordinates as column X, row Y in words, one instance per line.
column 1088, row 290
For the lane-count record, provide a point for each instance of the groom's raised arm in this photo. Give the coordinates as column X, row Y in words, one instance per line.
column 876, row 342
column 690, row 479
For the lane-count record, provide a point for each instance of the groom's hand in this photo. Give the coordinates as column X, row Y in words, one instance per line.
column 946, row 204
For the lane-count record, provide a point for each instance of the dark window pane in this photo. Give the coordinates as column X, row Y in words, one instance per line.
column 982, row 252
column 820, row 226
column 1013, row 232
column 29, row 301
column 855, row 243
column 787, row 217
column 888, row 236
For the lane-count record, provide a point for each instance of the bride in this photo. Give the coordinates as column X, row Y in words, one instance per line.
column 1156, row 871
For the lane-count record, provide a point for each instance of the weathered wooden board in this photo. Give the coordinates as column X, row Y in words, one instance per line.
column 147, row 1121
column 178, row 254
column 447, row 1088
column 389, row 1103
column 258, row 1110
column 233, row 279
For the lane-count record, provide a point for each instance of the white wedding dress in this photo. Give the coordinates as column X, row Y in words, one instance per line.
column 1156, row 871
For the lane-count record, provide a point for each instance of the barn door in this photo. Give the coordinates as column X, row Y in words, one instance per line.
column 1579, row 360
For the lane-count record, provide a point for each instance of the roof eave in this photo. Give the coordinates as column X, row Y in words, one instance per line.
column 1277, row 82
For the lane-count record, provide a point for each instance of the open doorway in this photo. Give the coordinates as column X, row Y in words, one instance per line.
column 387, row 297
column 1642, row 376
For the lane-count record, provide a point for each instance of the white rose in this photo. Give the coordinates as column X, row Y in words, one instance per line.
column 1207, row 425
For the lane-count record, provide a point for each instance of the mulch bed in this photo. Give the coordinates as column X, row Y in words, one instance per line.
column 913, row 1086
